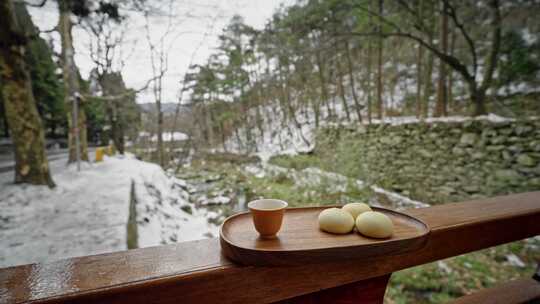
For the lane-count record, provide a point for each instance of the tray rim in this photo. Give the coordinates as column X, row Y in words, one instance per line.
column 230, row 243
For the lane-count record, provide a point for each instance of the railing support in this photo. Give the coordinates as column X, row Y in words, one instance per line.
column 370, row 291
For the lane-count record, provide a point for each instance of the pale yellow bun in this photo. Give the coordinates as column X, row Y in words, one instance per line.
column 336, row 220
column 374, row 224
column 356, row 209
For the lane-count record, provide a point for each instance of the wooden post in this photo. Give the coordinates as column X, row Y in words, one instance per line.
column 370, row 291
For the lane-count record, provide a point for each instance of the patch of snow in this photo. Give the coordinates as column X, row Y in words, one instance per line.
column 514, row 260
column 529, row 37
column 218, row 200
column 174, row 136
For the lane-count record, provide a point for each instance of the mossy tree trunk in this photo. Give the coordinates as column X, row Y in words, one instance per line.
column 71, row 84
column 31, row 165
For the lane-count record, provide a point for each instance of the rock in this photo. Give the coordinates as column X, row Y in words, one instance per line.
column 525, row 160
column 521, row 130
column 535, row 145
column 446, row 190
column 498, row 140
column 425, row 153
column 391, row 140
column 467, row 139
column 477, row 155
column 489, row 133
column 506, row 155
column 495, row 148
column 471, row 189
column 458, row 151
column 507, row 175
column 515, row 149
column 534, row 182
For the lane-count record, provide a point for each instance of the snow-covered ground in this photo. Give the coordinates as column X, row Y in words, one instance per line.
column 87, row 212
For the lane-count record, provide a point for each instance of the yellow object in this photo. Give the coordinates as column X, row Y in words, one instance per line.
column 99, row 154
column 374, row 224
column 336, row 220
column 356, row 208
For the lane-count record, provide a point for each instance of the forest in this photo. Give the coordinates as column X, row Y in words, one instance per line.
column 346, row 61
column 368, row 60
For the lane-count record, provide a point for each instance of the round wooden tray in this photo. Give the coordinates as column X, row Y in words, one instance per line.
column 300, row 241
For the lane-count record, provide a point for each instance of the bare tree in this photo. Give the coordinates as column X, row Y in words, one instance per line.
column 159, row 52
column 469, row 72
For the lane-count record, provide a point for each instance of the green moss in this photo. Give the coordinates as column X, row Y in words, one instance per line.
column 297, row 162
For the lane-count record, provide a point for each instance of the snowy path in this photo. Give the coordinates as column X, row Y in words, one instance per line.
column 87, row 212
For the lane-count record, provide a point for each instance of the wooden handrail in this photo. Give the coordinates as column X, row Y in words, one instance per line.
column 196, row 272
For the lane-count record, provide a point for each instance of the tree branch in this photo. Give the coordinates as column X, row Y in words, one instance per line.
column 452, row 13
column 495, row 45
column 450, row 60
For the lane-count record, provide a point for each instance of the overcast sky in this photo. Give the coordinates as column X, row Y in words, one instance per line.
column 194, row 33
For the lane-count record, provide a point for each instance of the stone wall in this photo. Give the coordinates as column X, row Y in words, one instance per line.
column 444, row 161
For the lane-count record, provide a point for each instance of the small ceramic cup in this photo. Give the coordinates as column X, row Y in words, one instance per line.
column 267, row 216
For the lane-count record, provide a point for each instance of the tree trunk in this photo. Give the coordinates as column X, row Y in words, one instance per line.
column 478, row 97
column 5, row 127
column 379, row 65
column 357, row 106
column 112, row 84
column 341, row 89
column 369, row 74
column 324, row 90
column 492, row 59
column 419, row 63
column 31, row 165
column 161, row 150
column 442, row 97
column 451, row 102
column 71, row 83
column 419, row 76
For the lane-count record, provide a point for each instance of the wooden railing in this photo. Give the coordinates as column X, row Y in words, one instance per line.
column 196, row 272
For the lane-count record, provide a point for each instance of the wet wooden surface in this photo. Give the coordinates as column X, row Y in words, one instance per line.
column 196, row 272
column 300, row 241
